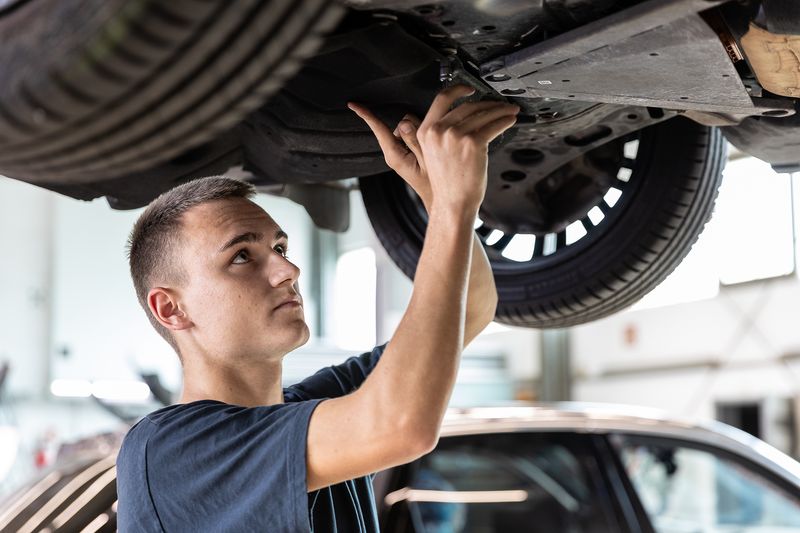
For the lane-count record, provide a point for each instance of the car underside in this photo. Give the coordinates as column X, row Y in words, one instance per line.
column 624, row 105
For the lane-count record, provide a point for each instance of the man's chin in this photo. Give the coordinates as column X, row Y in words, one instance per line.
column 306, row 336
column 303, row 336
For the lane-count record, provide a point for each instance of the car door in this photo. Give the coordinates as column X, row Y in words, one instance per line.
column 501, row 482
column 686, row 486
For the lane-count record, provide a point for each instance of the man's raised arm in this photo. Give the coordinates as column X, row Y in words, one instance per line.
column 481, row 289
column 396, row 414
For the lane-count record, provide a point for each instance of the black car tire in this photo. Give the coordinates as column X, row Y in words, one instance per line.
column 96, row 89
column 672, row 188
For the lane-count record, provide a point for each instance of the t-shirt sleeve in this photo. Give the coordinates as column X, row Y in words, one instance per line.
column 336, row 380
column 220, row 467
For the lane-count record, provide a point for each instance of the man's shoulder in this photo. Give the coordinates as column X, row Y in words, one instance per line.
column 169, row 443
column 201, row 418
column 170, row 417
column 180, row 412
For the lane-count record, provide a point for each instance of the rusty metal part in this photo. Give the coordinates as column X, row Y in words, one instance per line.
column 775, row 60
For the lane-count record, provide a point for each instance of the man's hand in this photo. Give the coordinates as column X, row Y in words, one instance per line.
column 444, row 144
column 400, row 149
column 405, row 156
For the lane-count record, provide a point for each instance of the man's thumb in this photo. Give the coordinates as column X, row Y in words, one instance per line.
column 408, row 132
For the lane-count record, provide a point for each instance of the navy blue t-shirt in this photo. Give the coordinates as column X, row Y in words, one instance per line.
column 211, row 466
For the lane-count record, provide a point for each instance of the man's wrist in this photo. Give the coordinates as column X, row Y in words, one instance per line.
column 456, row 214
column 455, row 211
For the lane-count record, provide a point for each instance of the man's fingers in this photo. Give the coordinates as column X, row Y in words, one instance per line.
column 408, row 132
column 491, row 130
column 380, row 129
column 441, row 104
column 478, row 120
column 414, row 120
column 388, row 143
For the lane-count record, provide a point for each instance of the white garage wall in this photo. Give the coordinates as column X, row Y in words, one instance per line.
column 25, row 290
column 99, row 330
column 741, row 345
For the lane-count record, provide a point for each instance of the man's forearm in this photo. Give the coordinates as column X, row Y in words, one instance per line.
column 481, row 289
column 415, row 376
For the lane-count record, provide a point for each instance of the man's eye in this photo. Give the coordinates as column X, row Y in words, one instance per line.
column 283, row 251
column 241, row 257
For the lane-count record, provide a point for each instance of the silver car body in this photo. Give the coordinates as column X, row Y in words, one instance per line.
column 609, row 418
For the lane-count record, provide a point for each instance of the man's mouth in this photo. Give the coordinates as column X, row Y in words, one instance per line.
column 290, row 303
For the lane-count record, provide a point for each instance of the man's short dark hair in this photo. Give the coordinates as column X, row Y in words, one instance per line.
column 155, row 236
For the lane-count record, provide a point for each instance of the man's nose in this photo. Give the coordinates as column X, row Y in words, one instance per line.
column 281, row 269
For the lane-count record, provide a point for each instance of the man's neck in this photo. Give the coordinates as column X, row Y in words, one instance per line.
column 249, row 385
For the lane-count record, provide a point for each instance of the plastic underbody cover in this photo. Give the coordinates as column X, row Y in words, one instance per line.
column 306, row 133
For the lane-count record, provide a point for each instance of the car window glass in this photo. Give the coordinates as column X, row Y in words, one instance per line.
column 686, row 489
column 500, row 483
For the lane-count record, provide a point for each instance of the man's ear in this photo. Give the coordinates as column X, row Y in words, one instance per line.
column 165, row 306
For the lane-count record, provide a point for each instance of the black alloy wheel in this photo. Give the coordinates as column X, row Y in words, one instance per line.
column 607, row 258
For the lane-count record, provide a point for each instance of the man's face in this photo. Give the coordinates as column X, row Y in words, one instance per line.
column 236, row 276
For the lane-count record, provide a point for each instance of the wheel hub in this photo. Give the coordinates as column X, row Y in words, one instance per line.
column 517, row 202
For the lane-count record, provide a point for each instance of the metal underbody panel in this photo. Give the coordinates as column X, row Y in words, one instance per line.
column 660, row 53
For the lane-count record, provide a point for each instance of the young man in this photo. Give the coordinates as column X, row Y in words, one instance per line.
column 238, row 452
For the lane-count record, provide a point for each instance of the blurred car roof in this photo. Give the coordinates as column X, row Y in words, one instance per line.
column 612, row 418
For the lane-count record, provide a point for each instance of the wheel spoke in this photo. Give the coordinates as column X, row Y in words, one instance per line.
column 502, row 242
column 587, row 224
column 628, row 162
column 538, row 246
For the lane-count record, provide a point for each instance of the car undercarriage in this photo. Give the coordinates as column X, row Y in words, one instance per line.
column 607, row 178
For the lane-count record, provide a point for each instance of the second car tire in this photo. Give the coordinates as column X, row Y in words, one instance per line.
column 668, row 197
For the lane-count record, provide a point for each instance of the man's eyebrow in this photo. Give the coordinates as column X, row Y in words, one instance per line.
column 244, row 237
column 250, row 236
